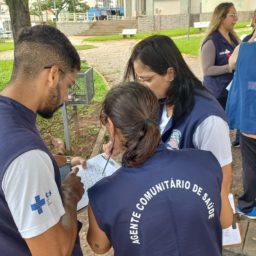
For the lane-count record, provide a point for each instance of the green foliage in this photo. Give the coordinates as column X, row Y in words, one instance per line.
column 58, row 5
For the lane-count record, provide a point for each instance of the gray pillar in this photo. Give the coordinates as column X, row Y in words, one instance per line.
column 150, row 7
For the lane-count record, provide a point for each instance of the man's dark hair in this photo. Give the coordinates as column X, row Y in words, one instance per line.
column 43, row 46
column 134, row 110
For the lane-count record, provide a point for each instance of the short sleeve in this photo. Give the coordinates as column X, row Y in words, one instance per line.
column 32, row 194
column 213, row 135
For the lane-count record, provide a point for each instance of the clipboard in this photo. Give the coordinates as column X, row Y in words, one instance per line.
column 93, row 173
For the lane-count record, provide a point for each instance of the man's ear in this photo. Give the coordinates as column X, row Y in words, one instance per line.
column 170, row 74
column 53, row 75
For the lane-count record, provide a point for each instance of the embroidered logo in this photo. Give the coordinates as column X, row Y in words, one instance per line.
column 174, row 140
column 226, row 52
column 38, row 205
column 252, row 85
column 48, row 197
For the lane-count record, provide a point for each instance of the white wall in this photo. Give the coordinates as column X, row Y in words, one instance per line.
column 167, row 7
column 241, row 5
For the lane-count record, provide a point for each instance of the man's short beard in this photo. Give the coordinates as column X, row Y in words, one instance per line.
column 47, row 114
column 52, row 103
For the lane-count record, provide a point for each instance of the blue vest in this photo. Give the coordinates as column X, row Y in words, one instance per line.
column 217, row 84
column 248, row 37
column 18, row 134
column 241, row 103
column 180, row 134
column 163, row 207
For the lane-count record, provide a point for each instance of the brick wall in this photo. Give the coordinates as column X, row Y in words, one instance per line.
column 162, row 22
column 73, row 28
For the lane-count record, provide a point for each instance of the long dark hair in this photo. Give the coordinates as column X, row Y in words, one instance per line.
column 159, row 52
column 134, row 111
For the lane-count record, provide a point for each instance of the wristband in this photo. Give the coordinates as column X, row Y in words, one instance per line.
column 66, row 168
column 68, row 160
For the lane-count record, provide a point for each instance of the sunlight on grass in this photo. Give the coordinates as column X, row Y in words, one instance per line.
column 5, row 72
column 6, row 46
column 84, row 47
column 189, row 46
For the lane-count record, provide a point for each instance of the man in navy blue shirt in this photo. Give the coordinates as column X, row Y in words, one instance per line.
column 37, row 215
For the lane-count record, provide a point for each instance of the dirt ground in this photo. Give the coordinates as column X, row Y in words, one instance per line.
column 109, row 58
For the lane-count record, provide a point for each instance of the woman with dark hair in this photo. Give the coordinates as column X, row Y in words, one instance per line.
column 190, row 117
column 160, row 202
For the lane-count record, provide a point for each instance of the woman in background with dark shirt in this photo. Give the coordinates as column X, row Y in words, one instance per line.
column 218, row 45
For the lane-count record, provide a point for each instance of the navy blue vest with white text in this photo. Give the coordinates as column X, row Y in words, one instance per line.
column 169, row 206
column 180, row 134
column 217, row 84
column 18, row 134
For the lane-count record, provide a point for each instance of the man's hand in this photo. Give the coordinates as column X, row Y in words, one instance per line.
column 59, row 240
column 72, row 187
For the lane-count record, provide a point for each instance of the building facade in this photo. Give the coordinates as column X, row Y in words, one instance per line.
column 134, row 8
column 5, row 21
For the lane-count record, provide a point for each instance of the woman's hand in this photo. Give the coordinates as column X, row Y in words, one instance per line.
column 77, row 160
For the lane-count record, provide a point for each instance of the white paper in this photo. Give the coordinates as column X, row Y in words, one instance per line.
column 229, row 85
column 231, row 235
column 93, row 173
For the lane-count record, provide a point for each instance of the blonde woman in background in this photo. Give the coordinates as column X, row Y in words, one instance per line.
column 219, row 43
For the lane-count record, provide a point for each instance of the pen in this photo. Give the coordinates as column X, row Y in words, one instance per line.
column 110, row 153
column 104, row 169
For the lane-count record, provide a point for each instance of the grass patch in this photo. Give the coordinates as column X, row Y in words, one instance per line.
column 5, row 72
column 84, row 47
column 189, row 46
column 6, row 46
column 169, row 32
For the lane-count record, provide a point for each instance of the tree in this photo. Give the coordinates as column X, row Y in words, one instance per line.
column 20, row 17
column 58, row 5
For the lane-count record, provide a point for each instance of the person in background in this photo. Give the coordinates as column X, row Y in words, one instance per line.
column 190, row 117
column 173, row 198
column 37, row 214
column 219, row 43
column 249, row 38
column 241, row 111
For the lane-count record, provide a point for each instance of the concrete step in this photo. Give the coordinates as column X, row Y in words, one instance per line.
column 109, row 27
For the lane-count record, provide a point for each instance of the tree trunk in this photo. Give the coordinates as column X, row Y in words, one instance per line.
column 20, row 16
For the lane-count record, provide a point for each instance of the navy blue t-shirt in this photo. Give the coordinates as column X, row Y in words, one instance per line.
column 169, row 206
